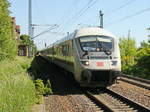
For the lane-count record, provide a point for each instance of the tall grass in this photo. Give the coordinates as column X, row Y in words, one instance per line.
column 17, row 91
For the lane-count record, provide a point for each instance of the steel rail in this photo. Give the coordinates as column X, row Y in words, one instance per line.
column 108, row 108
column 135, row 78
column 135, row 81
column 132, row 103
column 98, row 102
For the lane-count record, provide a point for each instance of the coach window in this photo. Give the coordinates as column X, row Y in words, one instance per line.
column 64, row 50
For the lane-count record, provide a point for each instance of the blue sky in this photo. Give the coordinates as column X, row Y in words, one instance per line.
column 72, row 14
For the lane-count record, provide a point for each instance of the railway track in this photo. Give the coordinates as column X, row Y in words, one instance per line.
column 136, row 81
column 106, row 100
column 110, row 101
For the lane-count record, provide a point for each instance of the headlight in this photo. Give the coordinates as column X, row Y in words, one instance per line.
column 113, row 63
column 85, row 63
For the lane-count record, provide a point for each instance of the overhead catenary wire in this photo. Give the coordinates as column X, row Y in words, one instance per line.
column 61, row 28
column 130, row 16
column 81, row 12
column 84, row 11
column 63, row 18
column 66, row 16
column 45, row 27
column 121, row 7
column 126, row 4
column 49, row 29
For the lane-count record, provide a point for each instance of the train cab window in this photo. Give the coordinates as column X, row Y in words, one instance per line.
column 96, row 43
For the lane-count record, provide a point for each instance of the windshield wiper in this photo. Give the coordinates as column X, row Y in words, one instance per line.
column 85, row 53
column 105, row 49
column 108, row 52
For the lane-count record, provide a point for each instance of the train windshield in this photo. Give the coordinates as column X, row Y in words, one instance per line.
column 96, row 43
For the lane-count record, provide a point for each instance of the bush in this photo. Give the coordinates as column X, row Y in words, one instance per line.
column 4, row 56
column 39, row 90
column 39, row 86
column 48, row 89
column 17, row 90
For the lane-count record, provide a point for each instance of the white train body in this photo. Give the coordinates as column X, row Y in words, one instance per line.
column 91, row 54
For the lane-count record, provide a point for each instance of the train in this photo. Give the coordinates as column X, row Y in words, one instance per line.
column 91, row 54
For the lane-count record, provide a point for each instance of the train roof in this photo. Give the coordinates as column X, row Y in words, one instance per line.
column 87, row 31
column 93, row 31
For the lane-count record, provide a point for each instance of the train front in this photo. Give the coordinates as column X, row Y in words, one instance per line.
column 99, row 58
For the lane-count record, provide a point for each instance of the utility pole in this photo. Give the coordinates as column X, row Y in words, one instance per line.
column 148, row 35
column 129, row 35
column 45, row 45
column 30, row 26
column 101, row 18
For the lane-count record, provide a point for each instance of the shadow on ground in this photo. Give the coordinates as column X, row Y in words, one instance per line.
column 42, row 69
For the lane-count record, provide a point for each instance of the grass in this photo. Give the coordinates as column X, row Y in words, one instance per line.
column 17, row 90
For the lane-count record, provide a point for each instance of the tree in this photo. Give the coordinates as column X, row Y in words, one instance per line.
column 143, row 60
column 142, row 67
column 149, row 30
column 25, row 40
column 8, row 43
column 128, row 53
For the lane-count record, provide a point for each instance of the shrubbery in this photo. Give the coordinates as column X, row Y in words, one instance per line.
column 4, row 56
column 39, row 90
column 17, row 90
column 8, row 43
column 135, row 61
column 42, row 90
column 47, row 88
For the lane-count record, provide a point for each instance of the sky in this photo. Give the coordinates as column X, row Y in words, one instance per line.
column 120, row 16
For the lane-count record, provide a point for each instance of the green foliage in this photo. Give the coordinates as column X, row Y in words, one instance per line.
column 144, row 50
column 143, row 60
column 39, row 85
column 17, row 90
column 7, row 37
column 148, row 28
column 48, row 89
column 42, row 90
column 5, row 56
column 38, row 70
column 25, row 63
column 128, row 53
column 135, row 62
column 25, row 40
